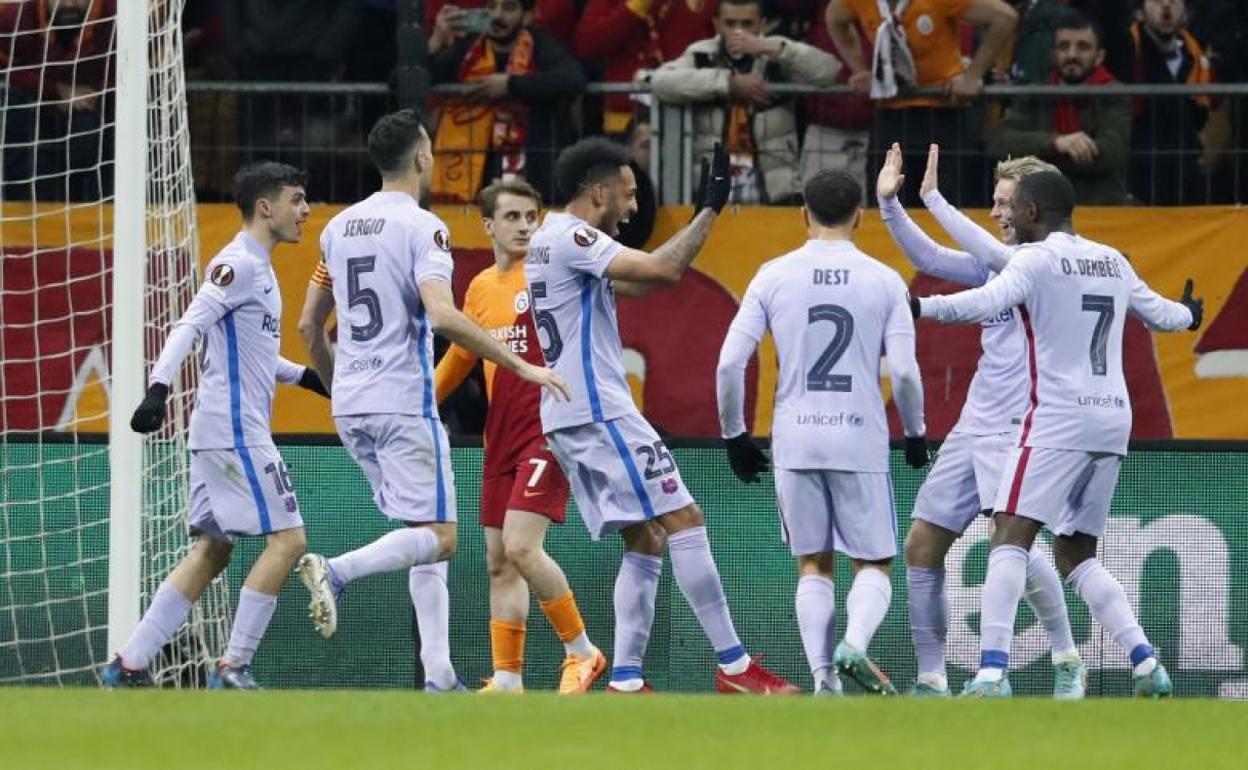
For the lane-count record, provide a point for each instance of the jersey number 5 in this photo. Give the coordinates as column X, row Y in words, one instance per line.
column 359, row 296
column 820, row 376
column 545, row 322
column 1104, row 308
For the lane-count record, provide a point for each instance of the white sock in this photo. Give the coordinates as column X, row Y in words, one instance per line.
column 432, row 600
column 164, row 616
column 815, row 604
column 695, row 572
column 866, row 605
column 929, row 618
column 636, row 587
column 1003, row 588
column 395, row 550
column 1108, row 604
column 1048, row 601
column 579, row 647
column 251, row 619
column 507, row 681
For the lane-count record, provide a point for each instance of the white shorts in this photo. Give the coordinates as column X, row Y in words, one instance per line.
column 621, row 473
column 244, row 491
column 407, row 460
column 1067, row 490
column 844, row 511
column 963, row 481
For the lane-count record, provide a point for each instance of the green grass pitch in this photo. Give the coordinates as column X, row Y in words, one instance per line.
column 42, row 728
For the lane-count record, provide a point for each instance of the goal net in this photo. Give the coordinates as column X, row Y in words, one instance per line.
column 62, row 188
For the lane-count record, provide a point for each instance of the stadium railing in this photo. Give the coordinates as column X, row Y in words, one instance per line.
column 322, row 126
column 1177, row 539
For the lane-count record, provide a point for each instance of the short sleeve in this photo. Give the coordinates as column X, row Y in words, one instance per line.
column 320, row 276
column 589, row 250
column 751, row 318
column 431, row 257
column 228, row 281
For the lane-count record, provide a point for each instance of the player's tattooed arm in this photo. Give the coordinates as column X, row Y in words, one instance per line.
column 635, row 272
column 449, row 321
column 316, row 309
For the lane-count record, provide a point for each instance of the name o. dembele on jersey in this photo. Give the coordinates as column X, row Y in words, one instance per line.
column 374, row 256
column 1075, row 294
column 575, row 313
column 830, row 309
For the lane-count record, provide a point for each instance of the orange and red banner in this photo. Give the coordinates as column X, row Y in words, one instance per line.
column 1183, row 385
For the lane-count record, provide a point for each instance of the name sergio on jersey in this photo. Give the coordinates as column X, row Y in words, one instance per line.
column 356, row 227
column 1105, row 267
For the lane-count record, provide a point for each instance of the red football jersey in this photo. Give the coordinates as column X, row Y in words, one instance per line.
column 499, row 303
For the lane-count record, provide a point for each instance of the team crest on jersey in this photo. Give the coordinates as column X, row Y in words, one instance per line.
column 584, row 237
column 442, row 240
column 222, row 275
column 925, row 25
column 522, row 302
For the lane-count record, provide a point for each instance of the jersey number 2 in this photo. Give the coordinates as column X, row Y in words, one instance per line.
column 1104, row 308
column 359, row 296
column 820, row 376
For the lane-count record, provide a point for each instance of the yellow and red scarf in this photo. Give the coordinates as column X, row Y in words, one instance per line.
column 468, row 133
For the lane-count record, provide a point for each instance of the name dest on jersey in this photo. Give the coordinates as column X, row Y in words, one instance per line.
column 514, row 336
column 830, row 277
column 1105, row 267
column 356, row 227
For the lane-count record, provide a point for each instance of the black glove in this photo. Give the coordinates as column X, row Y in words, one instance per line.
column 916, row 451
column 715, row 184
column 746, row 459
column 1197, row 306
column 151, row 412
column 916, row 307
column 312, row 381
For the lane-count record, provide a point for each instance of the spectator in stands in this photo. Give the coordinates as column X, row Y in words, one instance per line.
column 1087, row 138
column 838, row 126
column 636, row 231
column 1165, row 168
column 1033, row 46
column 727, row 76
column 516, row 118
column 916, row 44
column 290, row 40
column 211, row 116
column 632, row 37
column 554, row 17
column 56, row 80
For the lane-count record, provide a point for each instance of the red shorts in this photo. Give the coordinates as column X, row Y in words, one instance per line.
column 535, row 484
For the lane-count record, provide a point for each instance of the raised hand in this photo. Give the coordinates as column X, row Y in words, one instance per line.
column 890, row 180
column 1194, row 304
column 716, row 184
column 930, row 181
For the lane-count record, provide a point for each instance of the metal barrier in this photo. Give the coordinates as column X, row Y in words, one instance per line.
column 323, row 126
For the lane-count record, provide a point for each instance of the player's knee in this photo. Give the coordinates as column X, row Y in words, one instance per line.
column 817, row 564
column 215, row 553
column 448, row 541
column 293, row 542
column 522, row 552
column 1067, row 556
column 684, row 518
column 497, row 566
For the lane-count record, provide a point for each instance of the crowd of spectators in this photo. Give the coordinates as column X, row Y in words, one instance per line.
column 916, row 70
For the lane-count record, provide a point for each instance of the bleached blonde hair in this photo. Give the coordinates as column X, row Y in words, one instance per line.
column 1015, row 169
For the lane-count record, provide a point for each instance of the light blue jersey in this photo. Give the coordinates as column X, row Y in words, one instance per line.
column 574, row 310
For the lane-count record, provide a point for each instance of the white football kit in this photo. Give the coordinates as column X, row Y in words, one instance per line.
column 963, row 481
column 1074, row 295
column 376, row 254
column 831, row 310
column 620, row 471
column 239, row 484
